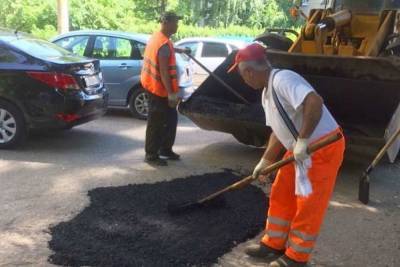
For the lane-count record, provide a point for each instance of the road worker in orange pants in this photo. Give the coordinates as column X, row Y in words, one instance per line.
column 301, row 191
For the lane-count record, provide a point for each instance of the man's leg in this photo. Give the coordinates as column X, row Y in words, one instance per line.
column 311, row 210
column 169, row 134
column 155, row 126
column 282, row 208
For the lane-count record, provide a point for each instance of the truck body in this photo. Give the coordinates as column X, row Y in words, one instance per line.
column 348, row 50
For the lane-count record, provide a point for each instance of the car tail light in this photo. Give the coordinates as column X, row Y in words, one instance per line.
column 54, row 79
column 67, row 117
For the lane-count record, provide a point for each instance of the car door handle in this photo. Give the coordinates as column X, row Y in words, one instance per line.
column 124, row 66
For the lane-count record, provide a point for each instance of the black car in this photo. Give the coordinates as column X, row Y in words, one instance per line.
column 43, row 86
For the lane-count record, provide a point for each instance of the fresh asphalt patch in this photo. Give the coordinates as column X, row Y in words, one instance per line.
column 130, row 225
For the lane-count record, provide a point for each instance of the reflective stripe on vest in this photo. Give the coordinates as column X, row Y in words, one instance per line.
column 156, row 77
column 154, row 65
column 150, row 76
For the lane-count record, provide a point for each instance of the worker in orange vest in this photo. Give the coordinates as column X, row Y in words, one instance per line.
column 301, row 191
column 159, row 78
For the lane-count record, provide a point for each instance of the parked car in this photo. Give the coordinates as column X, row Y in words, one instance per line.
column 121, row 59
column 43, row 86
column 211, row 52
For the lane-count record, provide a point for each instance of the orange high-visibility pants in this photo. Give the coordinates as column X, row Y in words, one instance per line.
column 294, row 222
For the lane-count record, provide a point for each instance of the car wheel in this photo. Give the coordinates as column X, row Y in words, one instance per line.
column 139, row 104
column 12, row 125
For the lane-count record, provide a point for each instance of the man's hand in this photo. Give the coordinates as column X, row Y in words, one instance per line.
column 173, row 100
column 259, row 168
column 300, row 149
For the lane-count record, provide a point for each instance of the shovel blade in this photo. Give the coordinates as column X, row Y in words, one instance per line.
column 180, row 208
column 176, row 208
column 363, row 189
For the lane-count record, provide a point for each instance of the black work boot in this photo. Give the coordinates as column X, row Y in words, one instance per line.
column 171, row 155
column 155, row 160
column 285, row 261
column 263, row 252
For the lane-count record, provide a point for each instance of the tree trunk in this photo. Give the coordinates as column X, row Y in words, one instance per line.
column 163, row 6
column 62, row 16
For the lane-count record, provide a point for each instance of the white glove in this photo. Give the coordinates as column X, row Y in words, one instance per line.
column 260, row 167
column 300, row 149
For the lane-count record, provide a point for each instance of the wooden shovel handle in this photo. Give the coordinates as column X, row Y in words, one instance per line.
column 245, row 181
column 311, row 149
column 222, row 82
column 384, row 149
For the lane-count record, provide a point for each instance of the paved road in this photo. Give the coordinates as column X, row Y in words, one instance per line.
column 46, row 181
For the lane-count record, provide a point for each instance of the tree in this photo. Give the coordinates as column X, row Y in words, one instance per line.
column 40, row 16
column 62, row 16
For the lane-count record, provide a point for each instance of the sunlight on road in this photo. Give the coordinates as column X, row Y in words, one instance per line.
column 338, row 204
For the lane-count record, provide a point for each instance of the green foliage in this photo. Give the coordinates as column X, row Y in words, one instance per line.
column 27, row 15
column 201, row 17
column 101, row 14
column 47, row 32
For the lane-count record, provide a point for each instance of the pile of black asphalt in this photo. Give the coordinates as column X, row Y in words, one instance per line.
column 130, row 226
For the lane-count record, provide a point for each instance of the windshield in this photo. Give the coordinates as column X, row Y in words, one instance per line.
column 369, row 6
column 39, row 48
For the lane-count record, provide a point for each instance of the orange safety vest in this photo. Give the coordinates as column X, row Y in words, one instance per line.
column 150, row 76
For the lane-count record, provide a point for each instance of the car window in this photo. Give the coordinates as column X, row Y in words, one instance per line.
column 192, row 45
column 123, row 48
column 75, row 44
column 39, row 48
column 9, row 56
column 364, row 5
column 214, row 50
column 138, row 50
column 106, row 47
column 233, row 47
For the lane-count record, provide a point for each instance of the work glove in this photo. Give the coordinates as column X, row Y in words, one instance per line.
column 300, row 150
column 259, row 168
column 173, row 100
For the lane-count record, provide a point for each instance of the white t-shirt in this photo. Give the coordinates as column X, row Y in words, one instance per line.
column 291, row 90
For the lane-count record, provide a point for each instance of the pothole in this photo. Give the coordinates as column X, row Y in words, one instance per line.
column 130, row 226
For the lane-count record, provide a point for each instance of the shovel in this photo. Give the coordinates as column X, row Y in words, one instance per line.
column 191, row 205
column 363, row 187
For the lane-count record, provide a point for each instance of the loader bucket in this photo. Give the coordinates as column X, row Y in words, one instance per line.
column 362, row 93
column 213, row 107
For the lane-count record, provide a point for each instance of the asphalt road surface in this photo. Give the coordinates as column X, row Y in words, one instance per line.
column 46, row 182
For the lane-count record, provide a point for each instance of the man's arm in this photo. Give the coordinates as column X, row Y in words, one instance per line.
column 273, row 150
column 165, row 77
column 312, row 112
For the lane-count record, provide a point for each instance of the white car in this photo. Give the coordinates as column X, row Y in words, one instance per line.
column 211, row 52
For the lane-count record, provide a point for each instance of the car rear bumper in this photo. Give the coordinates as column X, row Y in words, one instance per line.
column 73, row 110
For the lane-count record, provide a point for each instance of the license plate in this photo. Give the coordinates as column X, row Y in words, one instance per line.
column 92, row 81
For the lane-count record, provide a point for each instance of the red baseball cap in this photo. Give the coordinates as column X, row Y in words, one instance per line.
column 253, row 52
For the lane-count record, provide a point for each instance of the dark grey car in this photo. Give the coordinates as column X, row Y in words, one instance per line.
column 121, row 58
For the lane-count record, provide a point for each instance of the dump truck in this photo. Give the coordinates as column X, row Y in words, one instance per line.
column 349, row 50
